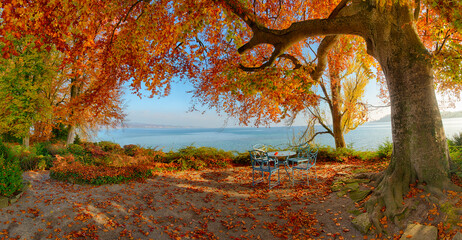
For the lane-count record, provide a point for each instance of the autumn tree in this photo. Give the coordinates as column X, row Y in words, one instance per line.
column 389, row 29
column 341, row 91
column 76, row 94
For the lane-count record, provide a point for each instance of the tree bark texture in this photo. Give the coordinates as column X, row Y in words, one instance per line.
column 419, row 144
column 336, row 113
column 75, row 92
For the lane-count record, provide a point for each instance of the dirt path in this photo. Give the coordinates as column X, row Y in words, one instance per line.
column 210, row 204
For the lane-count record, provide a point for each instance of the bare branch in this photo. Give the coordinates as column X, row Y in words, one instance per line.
column 316, row 134
column 447, row 35
column 320, row 121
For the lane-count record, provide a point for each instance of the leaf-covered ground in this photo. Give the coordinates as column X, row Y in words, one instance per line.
column 208, row 204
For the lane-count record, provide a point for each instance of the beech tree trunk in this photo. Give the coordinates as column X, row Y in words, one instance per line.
column 70, row 135
column 75, row 91
column 337, row 128
column 419, row 144
column 335, row 89
column 26, row 141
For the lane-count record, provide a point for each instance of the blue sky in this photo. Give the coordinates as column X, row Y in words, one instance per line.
column 174, row 109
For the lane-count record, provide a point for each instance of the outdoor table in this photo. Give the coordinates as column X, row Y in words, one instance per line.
column 283, row 155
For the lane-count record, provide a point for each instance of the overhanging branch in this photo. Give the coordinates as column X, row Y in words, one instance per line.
column 281, row 40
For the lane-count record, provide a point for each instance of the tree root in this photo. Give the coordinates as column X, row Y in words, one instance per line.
column 387, row 198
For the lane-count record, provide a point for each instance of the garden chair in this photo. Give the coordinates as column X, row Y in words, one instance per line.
column 304, row 161
column 260, row 147
column 262, row 163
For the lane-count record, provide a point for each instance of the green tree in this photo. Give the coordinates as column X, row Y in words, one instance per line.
column 23, row 79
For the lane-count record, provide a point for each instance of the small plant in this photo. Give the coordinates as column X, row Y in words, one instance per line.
column 456, row 140
column 10, row 177
column 77, row 139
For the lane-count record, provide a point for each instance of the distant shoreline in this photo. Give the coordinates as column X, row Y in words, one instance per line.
column 138, row 125
column 444, row 115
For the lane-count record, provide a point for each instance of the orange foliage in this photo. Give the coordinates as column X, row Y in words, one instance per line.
column 150, row 44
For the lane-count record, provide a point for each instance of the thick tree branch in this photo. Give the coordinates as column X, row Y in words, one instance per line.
column 326, row 44
column 283, row 39
column 292, row 58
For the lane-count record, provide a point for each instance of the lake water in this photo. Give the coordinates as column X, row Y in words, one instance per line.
column 366, row 137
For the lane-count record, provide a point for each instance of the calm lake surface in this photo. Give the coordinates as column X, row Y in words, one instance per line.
column 366, row 137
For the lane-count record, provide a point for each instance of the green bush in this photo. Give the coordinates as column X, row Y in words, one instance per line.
column 77, row 139
column 456, row 140
column 4, row 150
column 327, row 154
column 29, row 162
column 242, row 159
column 385, row 149
column 76, row 150
column 10, row 177
column 455, row 152
column 56, row 149
column 42, row 148
column 110, row 147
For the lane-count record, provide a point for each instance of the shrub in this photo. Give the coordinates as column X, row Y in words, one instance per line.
column 76, row 149
column 10, row 177
column 242, row 159
column 131, row 150
column 199, row 158
column 77, row 139
column 42, row 148
column 455, row 152
column 329, row 154
column 68, row 169
column 385, row 149
column 4, row 150
column 56, row 149
column 110, row 147
column 456, row 140
column 95, row 150
column 326, row 154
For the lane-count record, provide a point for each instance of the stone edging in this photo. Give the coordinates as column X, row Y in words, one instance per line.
column 6, row 201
